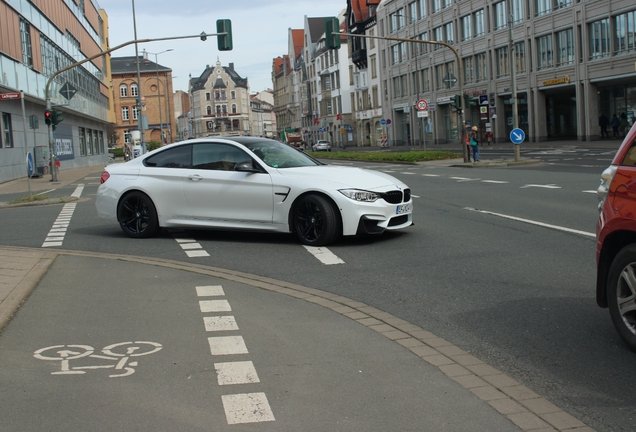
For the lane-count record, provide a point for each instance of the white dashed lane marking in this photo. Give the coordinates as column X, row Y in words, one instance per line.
column 324, row 255
column 56, row 235
column 189, row 245
column 242, row 407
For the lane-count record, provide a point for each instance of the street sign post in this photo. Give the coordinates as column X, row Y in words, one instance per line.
column 10, row 96
column 68, row 91
column 517, row 136
column 421, row 105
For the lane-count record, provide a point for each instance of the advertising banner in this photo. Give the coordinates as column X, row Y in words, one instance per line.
column 63, row 142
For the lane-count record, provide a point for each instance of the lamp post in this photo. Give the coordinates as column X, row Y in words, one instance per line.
column 159, row 92
column 140, row 122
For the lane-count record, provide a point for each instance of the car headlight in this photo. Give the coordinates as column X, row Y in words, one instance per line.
column 604, row 187
column 360, row 195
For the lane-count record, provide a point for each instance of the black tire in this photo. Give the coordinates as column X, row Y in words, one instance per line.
column 315, row 221
column 621, row 294
column 137, row 215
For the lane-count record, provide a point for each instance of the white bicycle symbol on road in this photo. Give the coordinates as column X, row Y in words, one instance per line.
column 119, row 352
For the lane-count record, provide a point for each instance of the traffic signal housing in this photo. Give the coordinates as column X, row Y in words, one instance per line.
column 224, row 41
column 456, row 101
column 332, row 33
column 56, row 118
column 469, row 102
column 47, row 117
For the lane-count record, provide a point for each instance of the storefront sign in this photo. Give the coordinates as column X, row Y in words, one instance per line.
column 556, row 81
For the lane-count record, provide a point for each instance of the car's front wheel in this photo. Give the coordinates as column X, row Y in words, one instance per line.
column 621, row 294
column 137, row 215
column 315, row 221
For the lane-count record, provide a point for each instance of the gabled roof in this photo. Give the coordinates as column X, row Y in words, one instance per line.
column 316, row 28
column 199, row 83
column 299, row 43
column 360, row 9
column 124, row 65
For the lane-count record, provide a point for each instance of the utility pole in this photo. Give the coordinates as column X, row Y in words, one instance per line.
column 513, row 82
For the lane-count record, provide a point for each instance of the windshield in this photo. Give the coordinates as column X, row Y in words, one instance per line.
column 278, row 155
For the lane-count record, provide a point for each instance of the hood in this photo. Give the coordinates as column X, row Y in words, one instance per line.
column 340, row 176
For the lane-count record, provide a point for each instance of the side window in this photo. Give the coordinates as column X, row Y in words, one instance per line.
column 630, row 157
column 176, row 157
column 221, row 157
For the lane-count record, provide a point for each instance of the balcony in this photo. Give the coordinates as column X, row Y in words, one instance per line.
column 359, row 58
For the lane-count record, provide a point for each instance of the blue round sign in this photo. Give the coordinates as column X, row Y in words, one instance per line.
column 383, row 121
column 517, row 136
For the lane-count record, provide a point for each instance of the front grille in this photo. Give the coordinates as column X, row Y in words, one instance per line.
column 396, row 196
column 399, row 220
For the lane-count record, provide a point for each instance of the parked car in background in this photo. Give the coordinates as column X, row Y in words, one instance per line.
column 321, row 145
column 250, row 184
column 616, row 241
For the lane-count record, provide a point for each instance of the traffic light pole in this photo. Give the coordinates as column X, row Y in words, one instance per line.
column 71, row 66
column 460, row 80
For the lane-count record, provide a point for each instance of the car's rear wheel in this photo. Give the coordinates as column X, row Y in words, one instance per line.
column 315, row 221
column 621, row 294
column 137, row 215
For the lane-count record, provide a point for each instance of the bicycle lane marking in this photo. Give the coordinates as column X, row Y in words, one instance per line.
column 56, row 235
column 241, row 407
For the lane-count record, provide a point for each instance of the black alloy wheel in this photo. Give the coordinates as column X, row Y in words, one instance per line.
column 621, row 294
column 314, row 220
column 137, row 215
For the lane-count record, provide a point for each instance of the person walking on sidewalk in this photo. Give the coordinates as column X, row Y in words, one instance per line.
column 615, row 123
column 603, row 123
column 474, row 144
column 623, row 125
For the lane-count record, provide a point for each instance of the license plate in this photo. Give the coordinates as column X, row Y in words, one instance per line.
column 404, row 208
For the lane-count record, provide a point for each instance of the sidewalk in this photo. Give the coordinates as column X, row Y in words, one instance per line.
column 456, row 390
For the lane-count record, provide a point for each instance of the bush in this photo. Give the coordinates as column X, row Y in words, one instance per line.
column 153, row 145
column 116, row 152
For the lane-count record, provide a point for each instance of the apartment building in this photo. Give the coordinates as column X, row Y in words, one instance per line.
column 219, row 102
column 571, row 61
column 40, row 37
column 290, row 95
column 262, row 117
column 182, row 114
column 154, row 100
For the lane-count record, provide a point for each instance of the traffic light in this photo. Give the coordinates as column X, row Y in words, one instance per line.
column 332, row 33
column 469, row 102
column 204, row 37
column 47, row 117
column 456, row 101
column 224, row 41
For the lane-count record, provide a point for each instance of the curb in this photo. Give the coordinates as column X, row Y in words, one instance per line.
column 525, row 408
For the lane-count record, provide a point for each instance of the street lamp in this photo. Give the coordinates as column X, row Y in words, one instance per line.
column 159, row 92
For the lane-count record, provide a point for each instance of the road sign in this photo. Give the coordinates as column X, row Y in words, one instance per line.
column 450, row 80
column 68, row 91
column 422, row 113
column 10, row 96
column 421, row 105
column 483, row 99
column 517, row 136
column 388, row 121
column 29, row 161
column 383, row 121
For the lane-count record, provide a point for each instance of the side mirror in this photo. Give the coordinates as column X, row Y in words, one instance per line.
column 246, row 167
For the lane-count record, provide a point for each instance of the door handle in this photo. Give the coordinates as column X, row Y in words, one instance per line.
column 195, row 177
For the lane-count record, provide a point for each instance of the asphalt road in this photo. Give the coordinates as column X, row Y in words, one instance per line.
column 500, row 262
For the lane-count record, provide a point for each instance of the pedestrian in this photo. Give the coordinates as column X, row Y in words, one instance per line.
column 603, row 123
column 623, row 124
column 468, row 132
column 615, row 123
column 474, row 143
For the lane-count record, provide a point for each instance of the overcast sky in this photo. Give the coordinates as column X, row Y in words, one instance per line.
column 259, row 27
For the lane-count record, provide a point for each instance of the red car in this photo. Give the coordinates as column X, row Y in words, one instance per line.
column 616, row 240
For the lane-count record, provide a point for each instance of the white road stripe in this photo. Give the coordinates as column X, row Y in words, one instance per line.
column 227, row 345
column 548, row 186
column 78, row 191
column 197, row 253
column 494, row 181
column 210, row 290
column 589, row 191
column 464, row 179
column 56, row 234
column 430, row 175
column 214, row 306
column 190, row 246
column 220, row 323
column 247, row 408
column 231, row 373
column 528, row 221
column 187, row 246
column 324, row 255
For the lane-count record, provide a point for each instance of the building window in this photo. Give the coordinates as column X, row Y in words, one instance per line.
column 423, row 46
column 125, row 115
column 7, row 131
column 413, row 11
column 101, row 142
column 208, row 96
column 89, row 142
column 544, row 52
column 135, row 112
column 25, row 40
column 134, row 91
column 329, row 108
column 469, row 70
column 82, row 141
column 520, row 57
column 416, row 82
column 437, row 5
column 565, row 47
column 447, row 3
column 481, row 67
column 373, row 66
column 503, row 62
column 559, row 4
column 123, row 90
column 501, row 17
column 421, row 9
column 233, row 108
column 480, row 27
column 439, row 37
column 625, row 36
column 208, row 110
column 543, row 6
column 396, row 20
column 449, row 33
column 599, row 39
column 467, row 31
column 517, row 10
column 233, row 94
column 426, row 80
